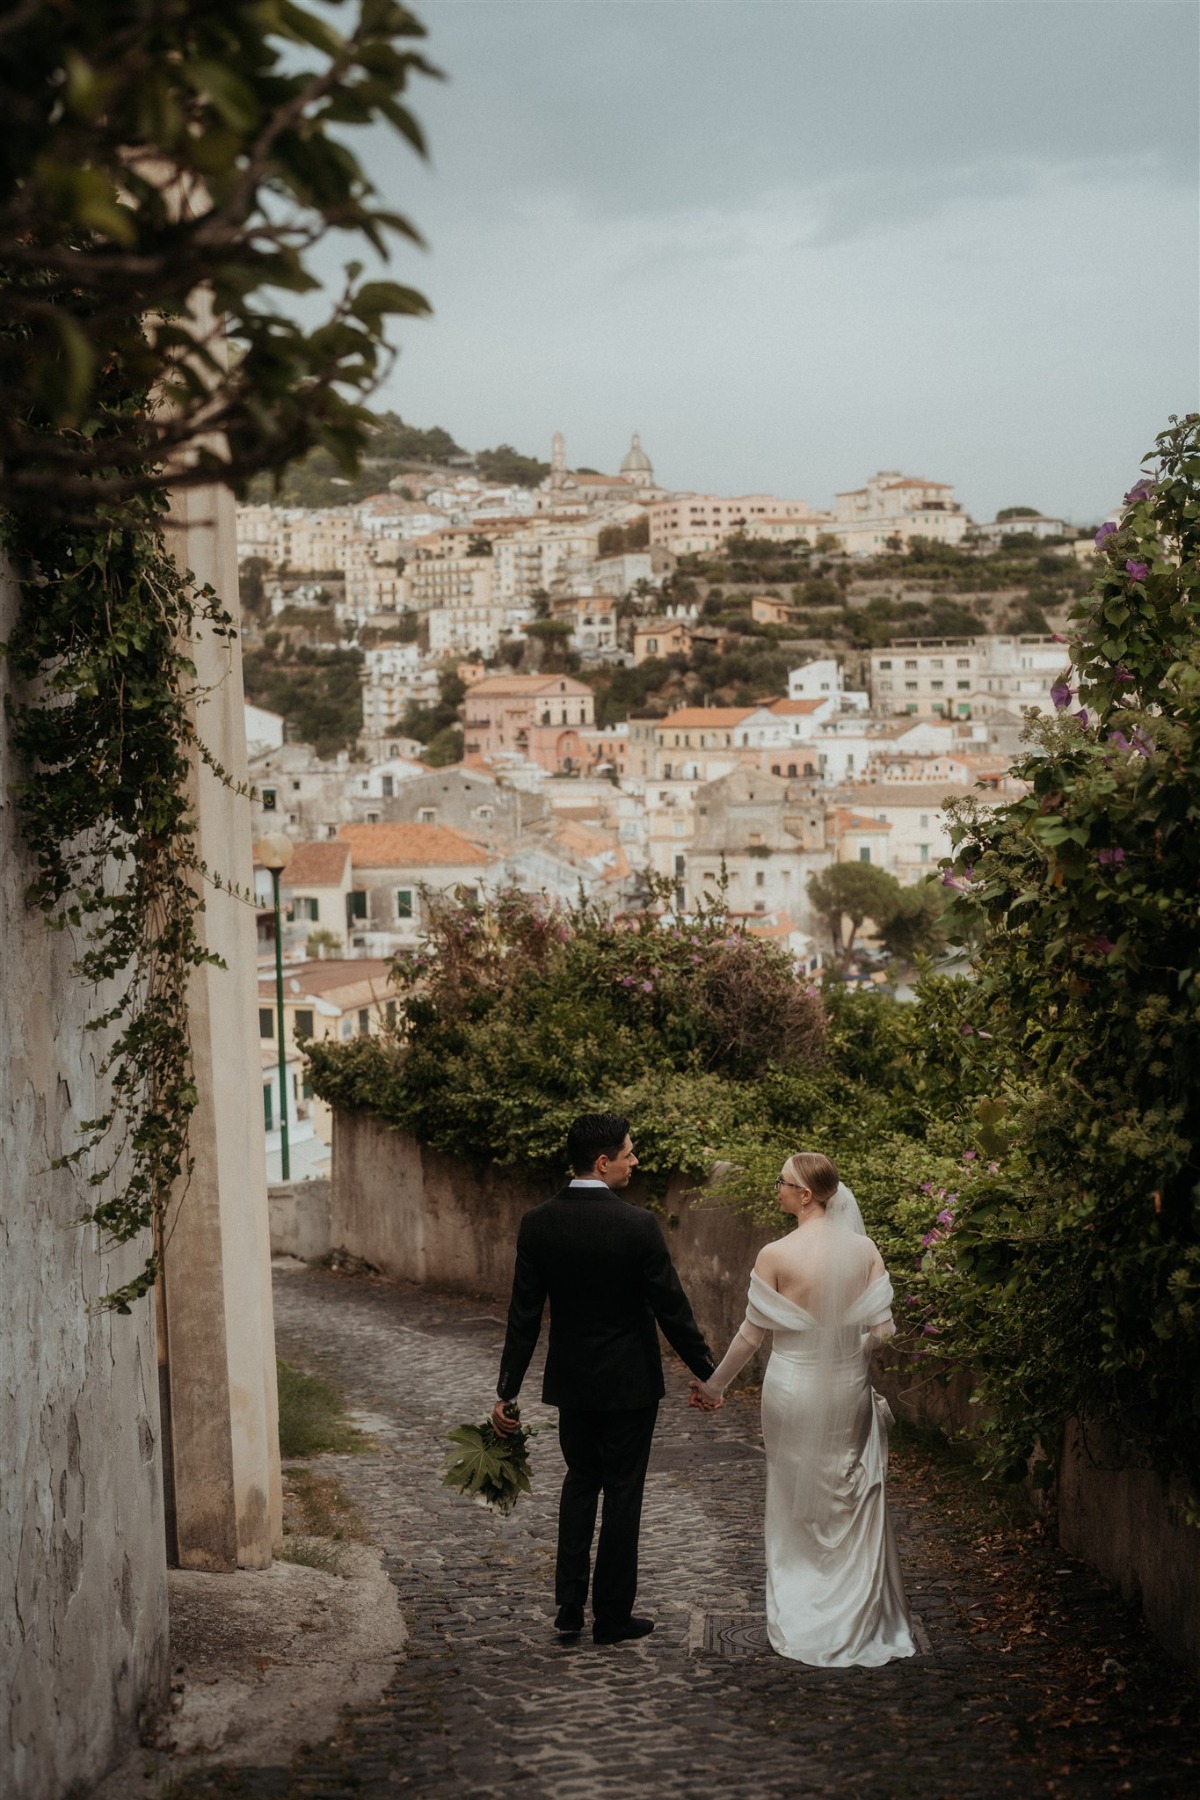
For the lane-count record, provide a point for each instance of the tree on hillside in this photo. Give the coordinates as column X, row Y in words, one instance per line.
column 509, row 467
column 913, row 927
column 854, row 891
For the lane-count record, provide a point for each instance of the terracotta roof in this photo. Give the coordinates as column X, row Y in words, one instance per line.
column 316, row 865
column 796, row 707
column 767, row 925
column 328, row 975
column 409, row 846
column 517, row 686
column 708, row 717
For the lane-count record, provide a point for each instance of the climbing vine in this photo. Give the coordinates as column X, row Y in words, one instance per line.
column 101, row 714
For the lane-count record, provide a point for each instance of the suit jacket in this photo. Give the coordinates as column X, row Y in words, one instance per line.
column 604, row 1266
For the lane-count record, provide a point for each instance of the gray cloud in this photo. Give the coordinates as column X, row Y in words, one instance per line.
column 792, row 242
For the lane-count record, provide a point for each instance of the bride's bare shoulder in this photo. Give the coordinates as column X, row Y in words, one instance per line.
column 766, row 1263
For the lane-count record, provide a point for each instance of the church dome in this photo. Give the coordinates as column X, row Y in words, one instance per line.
column 635, row 461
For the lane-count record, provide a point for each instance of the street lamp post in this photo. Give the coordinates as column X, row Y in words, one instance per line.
column 275, row 853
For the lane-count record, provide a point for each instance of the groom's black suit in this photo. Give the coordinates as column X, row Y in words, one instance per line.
column 604, row 1266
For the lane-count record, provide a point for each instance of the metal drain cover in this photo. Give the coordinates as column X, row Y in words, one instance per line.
column 735, row 1634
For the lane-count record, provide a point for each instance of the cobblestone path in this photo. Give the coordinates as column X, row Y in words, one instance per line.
column 1034, row 1680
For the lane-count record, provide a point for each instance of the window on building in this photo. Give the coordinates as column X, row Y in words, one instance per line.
column 864, row 854
column 404, row 903
column 937, row 686
column 388, row 787
column 964, row 687
column 356, row 904
column 307, row 907
column 266, row 1022
column 923, row 852
column 268, row 1110
column 924, row 821
column 268, row 799
column 911, row 663
column 760, row 879
column 304, row 1021
column 372, row 818
column 364, row 1021
column 347, row 1028
column 885, row 665
column 776, row 768
column 964, row 662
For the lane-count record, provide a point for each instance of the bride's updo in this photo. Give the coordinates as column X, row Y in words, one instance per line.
column 811, row 1170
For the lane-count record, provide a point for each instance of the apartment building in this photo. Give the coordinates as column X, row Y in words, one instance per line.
column 470, row 630
column 965, row 678
column 893, row 509
column 695, row 523
column 528, row 562
column 450, row 581
column 531, row 714
column 395, row 866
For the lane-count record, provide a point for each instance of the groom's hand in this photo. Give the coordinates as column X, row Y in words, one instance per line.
column 702, row 1400
column 505, row 1423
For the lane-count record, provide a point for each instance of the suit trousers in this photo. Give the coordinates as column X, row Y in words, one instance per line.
column 605, row 1453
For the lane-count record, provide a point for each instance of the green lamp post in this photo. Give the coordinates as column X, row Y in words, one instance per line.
column 275, row 853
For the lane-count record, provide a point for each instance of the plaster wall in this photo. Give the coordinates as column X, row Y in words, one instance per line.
column 422, row 1216
column 83, row 1596
column 216, row 1289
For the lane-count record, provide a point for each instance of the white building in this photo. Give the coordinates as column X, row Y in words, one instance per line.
column 264, row 729
column 898, row 508
column 964, row 678
column 823, row 676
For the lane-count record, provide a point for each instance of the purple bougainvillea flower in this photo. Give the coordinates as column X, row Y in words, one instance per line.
column 1119, row 739
column 931, row 1330
column 970, row 1155
column 1061, row 693
column 1101, row 945
column 1114, row 856
column 1121, row 673
column 967, row 1031
column 1137, row 571
column 1141, row 490
column 1106, row 531
column 927, row 1187
column 911, row 1300
column 945, row 1217
column 1058, row 637
column 931, row 1237
column 647, row 987
column 1141, row 742
column 627, row 981
column 1082, row 718
column 993, row 1168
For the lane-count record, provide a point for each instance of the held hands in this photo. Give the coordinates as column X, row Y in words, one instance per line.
column 705, row 1398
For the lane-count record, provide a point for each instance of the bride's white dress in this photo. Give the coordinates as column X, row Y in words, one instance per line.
column 835, row 1595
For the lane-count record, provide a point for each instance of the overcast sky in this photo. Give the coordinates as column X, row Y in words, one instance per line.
column 793, row 241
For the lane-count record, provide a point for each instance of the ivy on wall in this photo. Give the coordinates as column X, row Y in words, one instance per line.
column 102, row 716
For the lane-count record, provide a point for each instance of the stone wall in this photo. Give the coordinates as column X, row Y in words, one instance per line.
column 83, row 1594
column 299, row 1218
column 421, row 1216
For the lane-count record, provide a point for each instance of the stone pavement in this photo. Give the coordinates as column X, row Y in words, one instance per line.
column 1034, row 1681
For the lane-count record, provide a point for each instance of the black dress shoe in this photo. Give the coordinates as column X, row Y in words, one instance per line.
column 620, row 1634
column 569, row 1620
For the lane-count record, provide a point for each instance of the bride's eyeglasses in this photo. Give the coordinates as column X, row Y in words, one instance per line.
column 799, row 1187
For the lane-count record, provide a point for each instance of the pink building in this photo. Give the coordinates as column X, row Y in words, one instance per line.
column 537, row 716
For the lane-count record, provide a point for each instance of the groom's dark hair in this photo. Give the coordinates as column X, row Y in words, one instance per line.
column 595, row 1134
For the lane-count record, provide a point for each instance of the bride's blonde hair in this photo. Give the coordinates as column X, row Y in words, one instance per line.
column 808, row 1168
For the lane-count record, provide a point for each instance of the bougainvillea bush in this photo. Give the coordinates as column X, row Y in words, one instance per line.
column 1070, row 1273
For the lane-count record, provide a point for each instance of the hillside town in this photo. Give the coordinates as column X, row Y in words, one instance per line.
column 489, row 628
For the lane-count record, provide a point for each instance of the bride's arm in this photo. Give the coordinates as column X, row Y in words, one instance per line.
column 746, row 1341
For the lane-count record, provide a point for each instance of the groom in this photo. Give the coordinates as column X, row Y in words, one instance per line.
column 605, row 1268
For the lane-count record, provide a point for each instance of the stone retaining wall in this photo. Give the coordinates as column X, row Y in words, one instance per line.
column 418, row 1215
column 298, row 1212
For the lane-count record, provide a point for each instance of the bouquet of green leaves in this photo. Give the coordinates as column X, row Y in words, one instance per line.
column 491, row 1469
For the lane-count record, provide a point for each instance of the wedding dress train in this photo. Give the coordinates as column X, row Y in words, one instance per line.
column 835, row 1594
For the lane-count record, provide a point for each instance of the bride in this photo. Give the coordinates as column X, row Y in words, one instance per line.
column 835, row 1596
